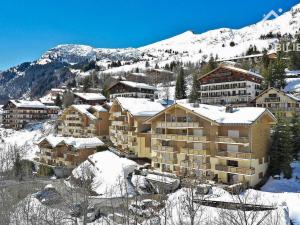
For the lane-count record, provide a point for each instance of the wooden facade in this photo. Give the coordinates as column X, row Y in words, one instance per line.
column 84, row 121
column 278, row 102
column 18, row 113
column 229, row 85
column 187, row 143
column 132, row 90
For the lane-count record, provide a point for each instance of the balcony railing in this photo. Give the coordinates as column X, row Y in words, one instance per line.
column 194, row 151
column 117, row 123
column 232, row 140
column 178, row 125
column 236, row 155
column 163, row 148
column 194, row 165
column 178, row 137
column 238, row 170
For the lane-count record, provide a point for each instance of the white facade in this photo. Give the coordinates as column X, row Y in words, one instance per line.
column 236, row 92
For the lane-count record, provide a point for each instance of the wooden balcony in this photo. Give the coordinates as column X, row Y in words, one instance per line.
column 162, row 148
column 237, row 170
column 179, row 137
column 117, row 123
column 235, row 155
column 178, row 125
column 189, row 151
column 194, row 165
column 232, row 140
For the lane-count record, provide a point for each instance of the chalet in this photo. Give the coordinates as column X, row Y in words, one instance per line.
column 65, row 153
column 50, row 97
column 18, row 113
column 224, row 144
column 84, row 121
column 278, row 102
column 89, row 98
column 229, row 85
column 131, row 89
column 127, row 131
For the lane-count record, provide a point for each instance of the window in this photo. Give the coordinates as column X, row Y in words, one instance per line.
column 233, row 133
column 232, row 163
column 272, row 95
column 260, row 175
column 261, row 161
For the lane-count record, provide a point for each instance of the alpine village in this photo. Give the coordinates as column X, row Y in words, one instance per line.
column 153, row 142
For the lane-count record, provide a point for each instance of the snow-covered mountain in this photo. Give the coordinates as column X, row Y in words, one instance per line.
column 54, row 66
column 187, row 46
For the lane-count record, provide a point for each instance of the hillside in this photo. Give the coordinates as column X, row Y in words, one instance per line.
column 33, row 79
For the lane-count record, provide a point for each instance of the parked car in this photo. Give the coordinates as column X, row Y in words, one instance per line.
column 93, row 214
column 49, row 195
column 141, row 210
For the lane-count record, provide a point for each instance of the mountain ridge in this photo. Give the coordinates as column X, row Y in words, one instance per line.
column 32, row 79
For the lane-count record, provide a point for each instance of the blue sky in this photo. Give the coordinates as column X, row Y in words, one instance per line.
column 28, row 28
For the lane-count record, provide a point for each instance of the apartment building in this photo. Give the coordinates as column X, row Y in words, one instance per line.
column 89, row 98
column 65, row 153
column 224, row 144
column 127, row 130
column 278, row 102
column 18, row 113
column 131, row 89
column 84, row 121
column 229, row 85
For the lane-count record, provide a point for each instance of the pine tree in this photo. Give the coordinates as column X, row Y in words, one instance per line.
column 211, row 65
column 295, row 128
column 194, row 95
column 180, row 89
column 281, row 153
column 275, row 74
column 58, row 101
column 87, row 84
column 105, row 91
column 294, row 57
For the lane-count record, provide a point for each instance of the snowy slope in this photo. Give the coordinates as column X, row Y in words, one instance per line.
column 183, row 47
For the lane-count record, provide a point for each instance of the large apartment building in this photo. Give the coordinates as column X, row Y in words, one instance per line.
column 84, row 121
column 278, row 102
column 132, row 90
column 229, row 85
column 228, row 145
column 127, row 130
column 18, row 113
column 65, row 153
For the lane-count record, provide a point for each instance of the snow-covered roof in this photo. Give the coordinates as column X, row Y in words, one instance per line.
column 139, row 74
column 163, row 71
column 110, row 172
column 292, row 84
column 242, row 71
column 84, row 110
column 90, row 96
column 292, row 73
column 140, row 106
column 137, row 85
column 218, row 114
column 99, row 108
column 77, row 143
column 27, row 104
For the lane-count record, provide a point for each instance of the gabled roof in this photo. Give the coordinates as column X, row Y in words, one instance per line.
column 28, row 104
column 134, row 85
column 218, row 114
column 90, row 96
column 232, row 68
column 279, row 91
column 77, row 143
column 85, row 109
column 139, row 106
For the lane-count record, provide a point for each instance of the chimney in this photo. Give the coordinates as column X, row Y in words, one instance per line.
column 229, row 109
